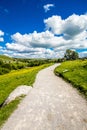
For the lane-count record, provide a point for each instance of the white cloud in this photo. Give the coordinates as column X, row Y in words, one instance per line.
column 70, row 27
column 34, row 53
column 75, row 25
column 47, row 7
column 1, row 34
column 1, row 39
column 32, row 45
column 60, row 34
column 1, row 47
column 83, row 54
column 54, row 24
column 44, row 40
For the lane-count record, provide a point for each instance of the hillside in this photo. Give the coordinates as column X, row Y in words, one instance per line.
column 74, row 72
column 3, row 57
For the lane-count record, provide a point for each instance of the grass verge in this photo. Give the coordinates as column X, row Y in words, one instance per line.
column 6, row 111
column 9, row 82
column 74, row 72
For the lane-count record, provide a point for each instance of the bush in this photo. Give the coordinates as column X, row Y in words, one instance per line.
column 1, row 63
column 4, row 71
column 7, row 65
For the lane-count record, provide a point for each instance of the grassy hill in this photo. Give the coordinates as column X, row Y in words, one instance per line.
column 15, row 72
column 74, row 72
column 3, row 57
column 8, row 82
column 8, row 64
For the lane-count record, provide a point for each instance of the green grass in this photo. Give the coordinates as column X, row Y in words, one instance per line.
column 74, row 72
column 3, row 57
column 9, row 82
column 6, row 111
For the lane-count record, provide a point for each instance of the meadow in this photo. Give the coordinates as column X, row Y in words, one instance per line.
column 9, row 81
column 75, row 72
column 7, row 64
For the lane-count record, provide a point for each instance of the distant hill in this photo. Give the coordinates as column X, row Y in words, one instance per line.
column 3, row 57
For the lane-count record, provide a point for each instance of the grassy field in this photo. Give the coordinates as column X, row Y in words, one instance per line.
column 74, row 72
column 6, row 111
column 3, row 57
column 7, row 64
column 9, row 82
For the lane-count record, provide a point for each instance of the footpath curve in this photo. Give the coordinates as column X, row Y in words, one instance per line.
column 52, row 104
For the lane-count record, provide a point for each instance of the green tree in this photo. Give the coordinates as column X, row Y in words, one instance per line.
column 71, row 55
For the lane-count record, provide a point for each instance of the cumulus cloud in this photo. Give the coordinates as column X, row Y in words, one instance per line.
column 54, row 24
column 1, row 34
column 44, row 40
column 47, row 7
column 60, row 34
column 70, row 27
column 33, row 44
column 1, row 39
column 83, row 54
column 74, row 25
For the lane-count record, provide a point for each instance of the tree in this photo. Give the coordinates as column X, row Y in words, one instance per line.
column 71, row 55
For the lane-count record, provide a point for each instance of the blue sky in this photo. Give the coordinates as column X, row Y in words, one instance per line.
column 43, row 28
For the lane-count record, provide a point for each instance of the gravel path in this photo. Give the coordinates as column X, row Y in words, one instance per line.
column 51, row 105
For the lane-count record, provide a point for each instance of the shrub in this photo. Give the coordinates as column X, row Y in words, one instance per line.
column 4, row 71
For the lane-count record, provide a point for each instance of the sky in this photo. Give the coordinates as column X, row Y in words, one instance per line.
column 43, row 28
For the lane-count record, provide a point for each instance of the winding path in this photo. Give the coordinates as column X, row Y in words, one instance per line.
column 51, row 105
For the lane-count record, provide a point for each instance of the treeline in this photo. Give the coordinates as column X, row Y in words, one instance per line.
column 36, row 62
column 7, row 65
